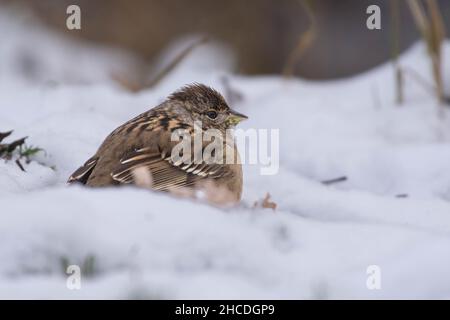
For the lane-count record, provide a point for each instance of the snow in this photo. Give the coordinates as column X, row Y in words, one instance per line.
column 319, row 242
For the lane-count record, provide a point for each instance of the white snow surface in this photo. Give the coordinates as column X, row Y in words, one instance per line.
column 317, row 244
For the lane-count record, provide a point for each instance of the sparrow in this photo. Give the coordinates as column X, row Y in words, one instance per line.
column 145, row 141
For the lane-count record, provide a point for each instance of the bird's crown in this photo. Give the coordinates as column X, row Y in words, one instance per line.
column 200, row 96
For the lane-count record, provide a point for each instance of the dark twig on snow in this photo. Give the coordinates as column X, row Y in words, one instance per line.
column 19, row 164
column 403, row 195
column 335, row 180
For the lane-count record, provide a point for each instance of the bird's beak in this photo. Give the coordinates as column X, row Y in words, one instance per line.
column 235, row 117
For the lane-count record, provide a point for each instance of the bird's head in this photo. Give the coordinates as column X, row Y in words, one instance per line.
column 207, row 106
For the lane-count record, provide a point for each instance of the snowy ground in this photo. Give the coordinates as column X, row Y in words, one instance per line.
column 319, row 242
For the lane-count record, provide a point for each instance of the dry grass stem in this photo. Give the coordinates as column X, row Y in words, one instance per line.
column 304, row 42
column 178, row 58
column 432, row 29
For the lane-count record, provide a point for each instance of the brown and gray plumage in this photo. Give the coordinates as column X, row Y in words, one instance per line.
column 145, row 141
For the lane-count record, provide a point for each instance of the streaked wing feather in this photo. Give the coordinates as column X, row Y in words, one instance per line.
column 82, row 174
column 133, row 160
column 165, row 173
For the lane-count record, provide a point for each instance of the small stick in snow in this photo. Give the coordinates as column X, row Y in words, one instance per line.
column 20, row 165
column 335, row 180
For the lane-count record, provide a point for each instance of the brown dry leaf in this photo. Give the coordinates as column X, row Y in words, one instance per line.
column 266, row 203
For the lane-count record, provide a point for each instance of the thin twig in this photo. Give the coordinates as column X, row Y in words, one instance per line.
column 139, row 83
column 395, row 38
column 335, row 180
column 402, row 195
column 431, row 28
column 304, row 42
column 437, row 35
column 419, row 16
column 178, row 58
column 20, row 165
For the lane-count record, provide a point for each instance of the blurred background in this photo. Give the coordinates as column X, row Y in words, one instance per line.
column 263, row 34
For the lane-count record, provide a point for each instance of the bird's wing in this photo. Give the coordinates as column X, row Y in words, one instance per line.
column 82, row 174
column 165, row 173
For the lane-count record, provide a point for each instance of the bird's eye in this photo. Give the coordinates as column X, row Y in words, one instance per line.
column 211, row 114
